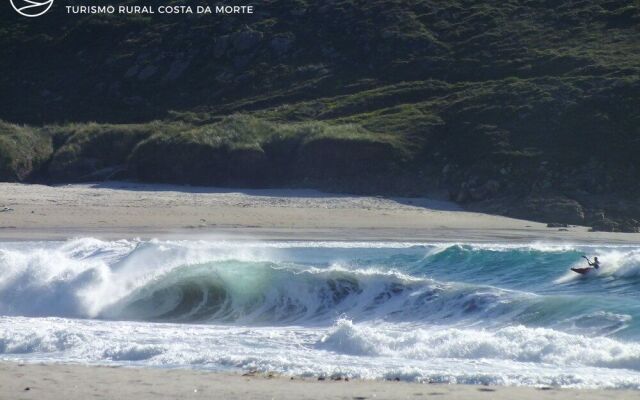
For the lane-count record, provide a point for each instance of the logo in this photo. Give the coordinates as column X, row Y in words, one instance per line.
column 31, row 8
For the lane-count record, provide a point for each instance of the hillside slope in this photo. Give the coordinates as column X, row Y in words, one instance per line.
column 524, row 108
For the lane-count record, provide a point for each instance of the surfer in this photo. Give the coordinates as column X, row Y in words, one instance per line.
column 595, row 264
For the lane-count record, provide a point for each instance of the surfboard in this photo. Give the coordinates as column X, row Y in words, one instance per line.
column 581, row 270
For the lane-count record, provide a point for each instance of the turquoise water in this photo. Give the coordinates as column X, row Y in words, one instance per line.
column 472, row 313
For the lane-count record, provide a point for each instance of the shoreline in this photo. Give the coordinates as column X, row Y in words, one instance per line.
column 77, row 381
column 250, row 234
column 124, row 210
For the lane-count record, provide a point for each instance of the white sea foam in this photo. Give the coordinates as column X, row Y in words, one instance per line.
column 512, row 356
column 615, row 263
column 515, row 343
column 273, row 306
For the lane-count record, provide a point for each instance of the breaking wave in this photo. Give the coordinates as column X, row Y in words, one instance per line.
column 471, row 313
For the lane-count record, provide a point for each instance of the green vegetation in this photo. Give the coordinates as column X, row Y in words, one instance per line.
column 94, row 151
column 525, row 108
column 23, row 151
column 236, row 150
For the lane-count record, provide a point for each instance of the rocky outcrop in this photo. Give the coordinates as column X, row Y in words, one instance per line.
column 559, row 211
column 627, row 225
column 554, row 209
column 550, row 208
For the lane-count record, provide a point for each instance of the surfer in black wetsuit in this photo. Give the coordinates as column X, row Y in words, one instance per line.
column 595, row 264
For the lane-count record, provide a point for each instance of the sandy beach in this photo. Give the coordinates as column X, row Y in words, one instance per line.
column 204, row 200
column 128, row 210
column 124, row 210
column 69, row 382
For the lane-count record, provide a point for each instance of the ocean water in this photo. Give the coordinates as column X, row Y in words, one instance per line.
column 459, row 313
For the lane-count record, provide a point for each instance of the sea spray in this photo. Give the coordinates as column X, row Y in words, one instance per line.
column 466, row 313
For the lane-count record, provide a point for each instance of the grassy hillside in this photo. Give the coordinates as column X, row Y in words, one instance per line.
column 524, row 108
column 23, row 151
